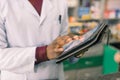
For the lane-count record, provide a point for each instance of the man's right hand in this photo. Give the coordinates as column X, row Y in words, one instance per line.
column 56, row 47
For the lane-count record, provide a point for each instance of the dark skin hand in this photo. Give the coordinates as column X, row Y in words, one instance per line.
column 56, row 47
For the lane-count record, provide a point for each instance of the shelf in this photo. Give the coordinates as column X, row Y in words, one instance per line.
column 113, row 21
column 97, row 20
column 75, row 24
column 90, row 20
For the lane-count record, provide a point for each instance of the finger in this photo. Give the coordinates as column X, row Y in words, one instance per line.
column 58, row 50
column 63, row 39
column 76, row 37
column 57, row 46
column 61, row 43
column 66, row 37
column 59, row 53
column 68, row 40
column 58, row 38
column 81, row 38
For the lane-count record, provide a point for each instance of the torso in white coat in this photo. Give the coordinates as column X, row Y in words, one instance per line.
column 22, row 30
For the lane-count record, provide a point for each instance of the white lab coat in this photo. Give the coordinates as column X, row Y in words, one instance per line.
column 22, row 30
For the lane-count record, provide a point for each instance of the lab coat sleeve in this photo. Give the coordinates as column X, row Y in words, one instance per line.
column 18, row 60
column 64, row 22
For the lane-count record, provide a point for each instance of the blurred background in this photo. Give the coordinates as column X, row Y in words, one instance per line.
column 84, row 15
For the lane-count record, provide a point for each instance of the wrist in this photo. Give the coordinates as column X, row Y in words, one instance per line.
column 48, row 51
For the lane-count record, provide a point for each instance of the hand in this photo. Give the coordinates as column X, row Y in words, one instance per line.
column 117, row 57
column 56, row 47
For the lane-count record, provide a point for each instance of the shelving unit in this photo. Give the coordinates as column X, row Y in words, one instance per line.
column 112, row 20
column 96, row 52
column 73, row 10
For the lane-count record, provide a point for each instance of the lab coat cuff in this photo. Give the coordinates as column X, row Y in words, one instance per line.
column 41, row 54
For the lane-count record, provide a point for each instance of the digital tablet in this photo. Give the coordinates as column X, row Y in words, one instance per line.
column 75, row 47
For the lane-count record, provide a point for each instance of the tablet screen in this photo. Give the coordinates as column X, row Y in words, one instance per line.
column 84, row 38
